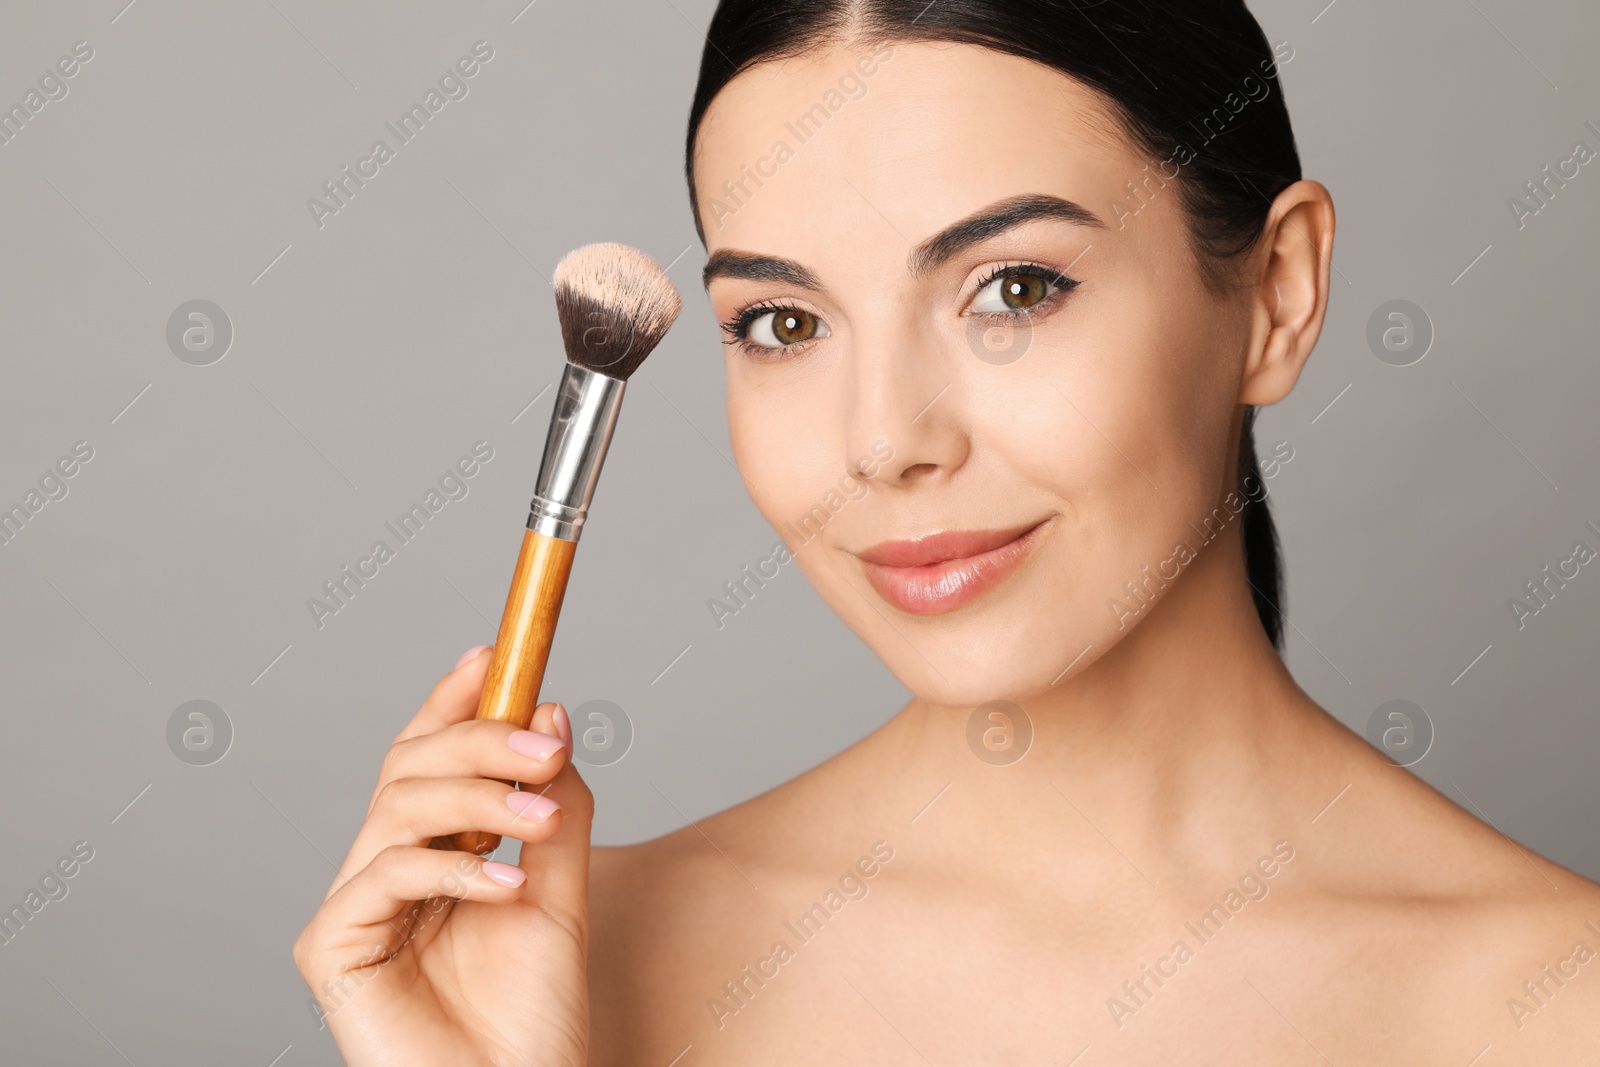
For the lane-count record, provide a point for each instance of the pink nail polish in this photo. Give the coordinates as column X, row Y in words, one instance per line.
column 534, row 745
column 504, row 873
column 563, row 727
column 533, row 806
column 466, row 657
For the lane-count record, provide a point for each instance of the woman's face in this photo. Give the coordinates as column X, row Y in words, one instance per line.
column 1043, row 398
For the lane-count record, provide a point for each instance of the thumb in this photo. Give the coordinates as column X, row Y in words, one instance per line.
column 558, row 866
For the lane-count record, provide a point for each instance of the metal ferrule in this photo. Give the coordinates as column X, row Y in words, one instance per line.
column 580, row 432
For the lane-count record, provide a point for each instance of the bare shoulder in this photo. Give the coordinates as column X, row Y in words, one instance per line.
column 1517, row 971
column 1522, row 956
column 1446, row 930
column 674, row 918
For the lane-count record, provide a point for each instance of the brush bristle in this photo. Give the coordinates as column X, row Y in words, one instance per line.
column 615, row 305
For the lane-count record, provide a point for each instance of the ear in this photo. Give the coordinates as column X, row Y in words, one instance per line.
column 1291, row 292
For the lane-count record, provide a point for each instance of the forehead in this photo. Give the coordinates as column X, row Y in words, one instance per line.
column 894, row 142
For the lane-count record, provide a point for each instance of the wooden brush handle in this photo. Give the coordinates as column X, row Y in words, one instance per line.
column 511, row 691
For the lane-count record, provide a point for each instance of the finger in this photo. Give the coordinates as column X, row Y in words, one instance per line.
column 365, row 912
column 477, row 748
column 414, row 811
column 454, row 699
column 558, row 864
column 546, row 721
column 543, row 722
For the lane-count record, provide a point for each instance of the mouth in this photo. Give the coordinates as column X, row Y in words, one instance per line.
column 944, row 571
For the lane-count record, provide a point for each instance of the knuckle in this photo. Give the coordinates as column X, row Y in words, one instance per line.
column 395, row 795
column 582, row 799
column 438, row 691
column 478, row 735
column 305, row 951
column 388, row 795
column 493, row 735
column 397, row 808
column 389, row 861
column 449, row 686
column 393, row 759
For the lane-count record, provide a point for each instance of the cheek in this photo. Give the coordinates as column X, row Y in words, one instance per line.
column 780, row 445
column 1128, row 400
column 1122, row 415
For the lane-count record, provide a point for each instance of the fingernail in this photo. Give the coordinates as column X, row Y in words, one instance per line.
column 534, row 745
column 504, row 873
column 466, row 657
column 533, row 806
column 563, row 727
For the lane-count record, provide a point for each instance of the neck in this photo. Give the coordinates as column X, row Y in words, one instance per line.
column 1175, row 735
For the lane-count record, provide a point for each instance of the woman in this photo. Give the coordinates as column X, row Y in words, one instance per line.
column 1024, row 272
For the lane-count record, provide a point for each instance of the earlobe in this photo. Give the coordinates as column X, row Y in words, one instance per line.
column 1292, row 295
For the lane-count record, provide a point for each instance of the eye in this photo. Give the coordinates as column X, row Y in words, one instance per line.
column 784, row 326
column 1018, row 289
column 770, row 331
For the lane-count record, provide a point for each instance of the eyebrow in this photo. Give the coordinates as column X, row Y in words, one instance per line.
column 976, row 228
column 992, row 221
column 731, row 263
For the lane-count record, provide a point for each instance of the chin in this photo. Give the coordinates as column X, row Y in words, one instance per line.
column 969, row 686
column 1001, row 654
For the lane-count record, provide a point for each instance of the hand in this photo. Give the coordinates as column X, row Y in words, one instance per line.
column 423, row 954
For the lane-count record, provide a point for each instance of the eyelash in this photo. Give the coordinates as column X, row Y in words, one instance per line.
column 738, row 327
column 738, row 330
column 1060, row 286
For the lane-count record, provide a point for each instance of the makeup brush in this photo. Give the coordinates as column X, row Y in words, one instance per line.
column 615, row 305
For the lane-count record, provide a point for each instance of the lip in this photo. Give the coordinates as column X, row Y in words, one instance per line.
column 944, row 571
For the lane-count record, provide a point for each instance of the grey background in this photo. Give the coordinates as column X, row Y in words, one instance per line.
column 370, row 354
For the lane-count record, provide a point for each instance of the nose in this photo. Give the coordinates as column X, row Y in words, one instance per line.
column 905, row 407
